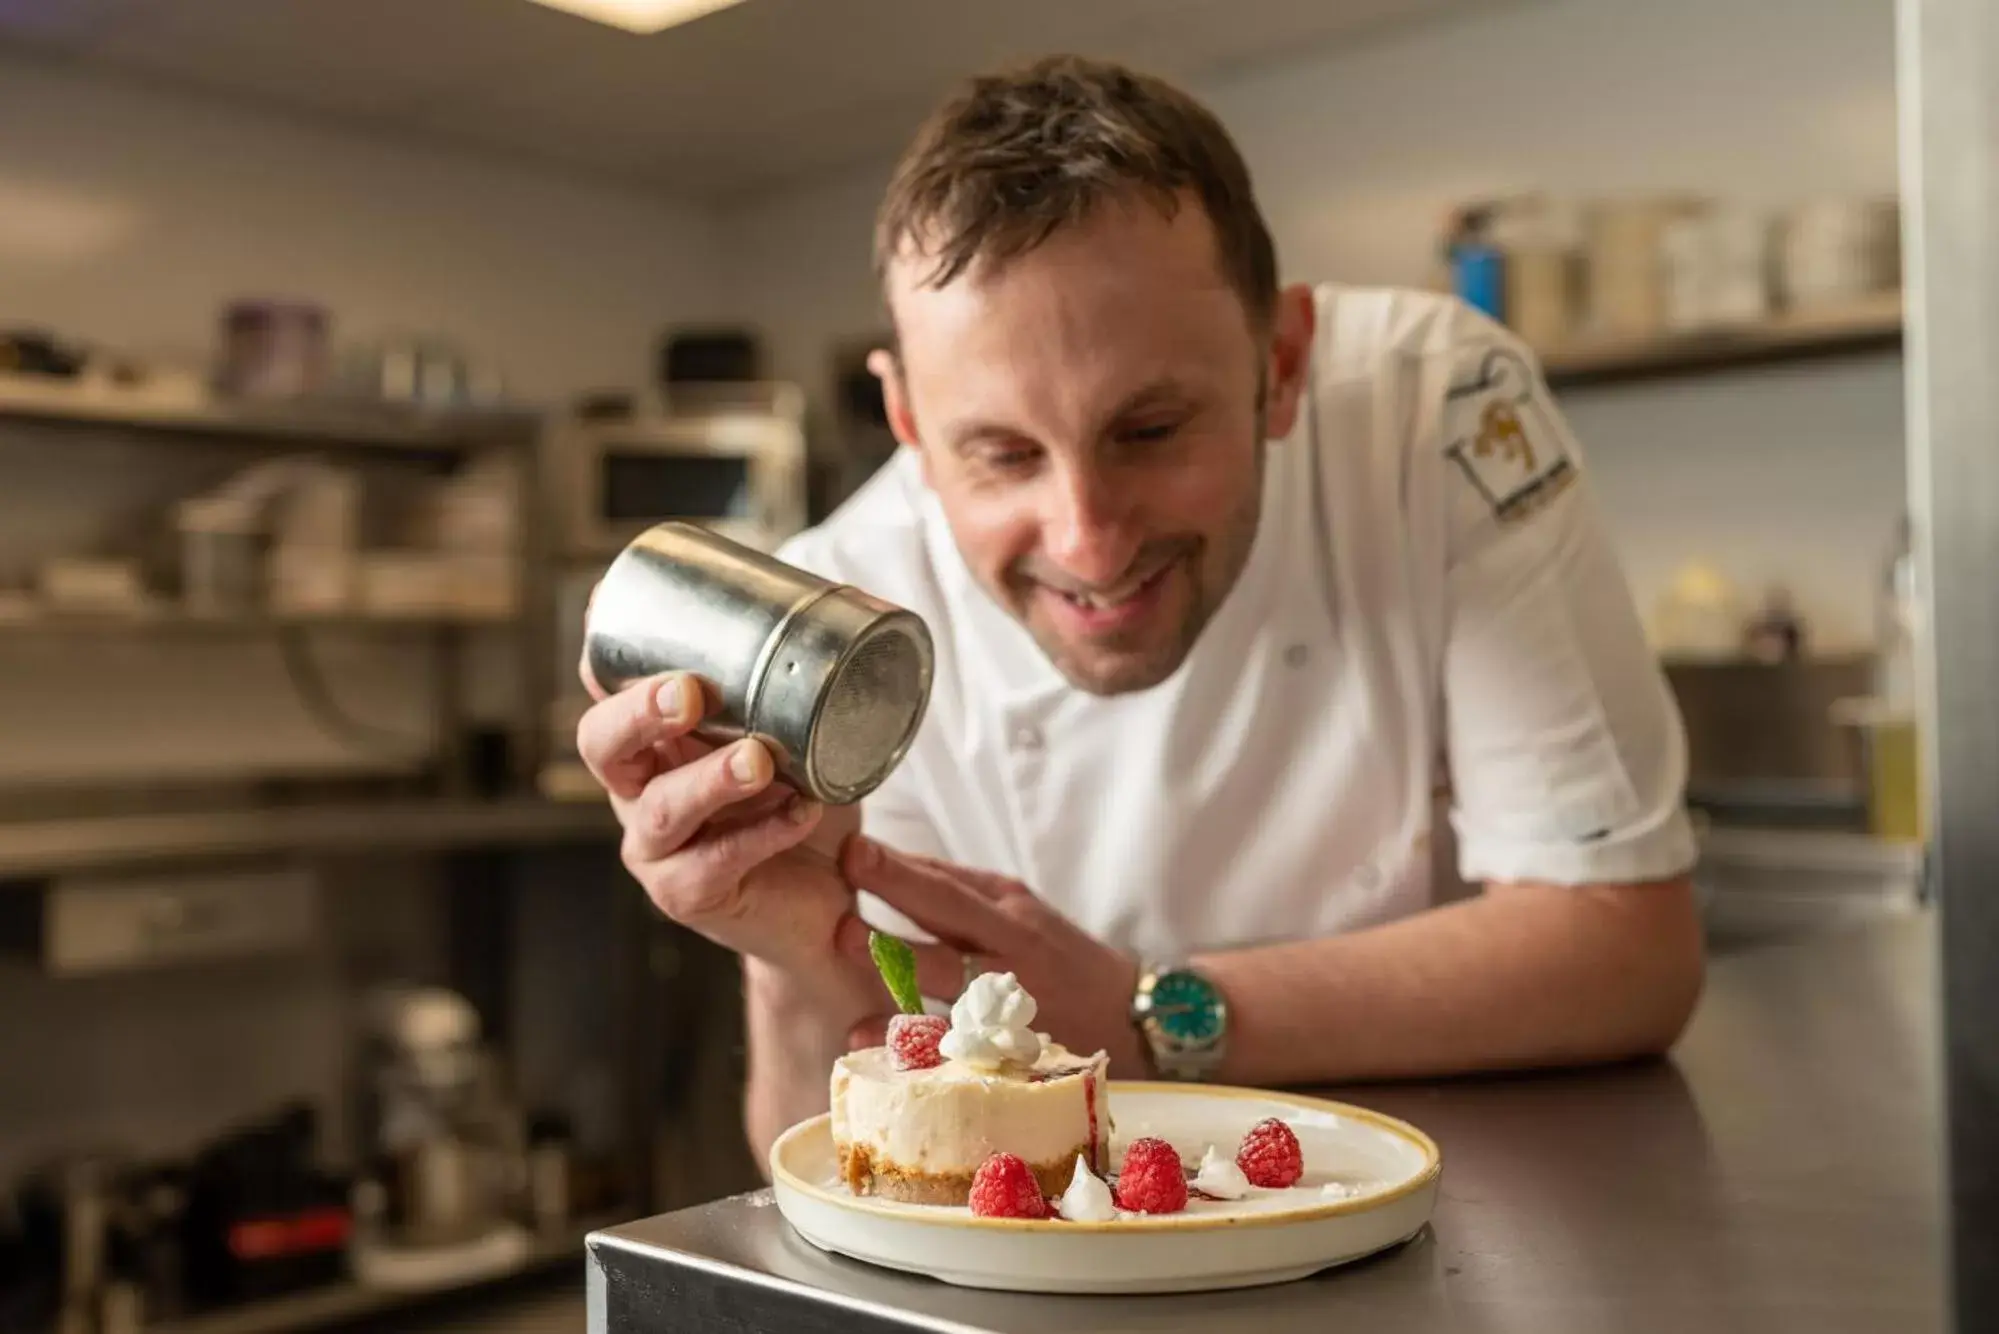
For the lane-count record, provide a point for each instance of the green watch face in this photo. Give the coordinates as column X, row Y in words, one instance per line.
column 1187, row 1009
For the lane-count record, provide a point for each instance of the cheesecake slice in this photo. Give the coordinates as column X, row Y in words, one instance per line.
column 918, row 1136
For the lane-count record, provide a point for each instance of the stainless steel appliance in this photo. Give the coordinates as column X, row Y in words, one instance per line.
column 835, row 680
column 732, row 460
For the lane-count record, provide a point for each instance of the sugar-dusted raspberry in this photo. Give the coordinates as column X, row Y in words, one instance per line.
column 1270, row 1155
column 1003, row 1187
column 1152, row 1180
column 913, row 1039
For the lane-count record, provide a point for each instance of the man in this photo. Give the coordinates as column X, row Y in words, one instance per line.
column 1234, row 587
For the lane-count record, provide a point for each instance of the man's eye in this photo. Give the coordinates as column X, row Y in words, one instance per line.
column 1149, row 433
column 1016, row 458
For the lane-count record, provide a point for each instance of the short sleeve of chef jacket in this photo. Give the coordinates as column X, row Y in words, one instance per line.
column 1565, row 754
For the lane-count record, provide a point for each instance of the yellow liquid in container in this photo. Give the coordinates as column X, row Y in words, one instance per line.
column 1895, row 774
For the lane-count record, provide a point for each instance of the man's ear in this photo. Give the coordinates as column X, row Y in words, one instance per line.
column 894, row 397
column 1291, row 328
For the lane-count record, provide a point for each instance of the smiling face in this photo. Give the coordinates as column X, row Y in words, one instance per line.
column 1092, row 417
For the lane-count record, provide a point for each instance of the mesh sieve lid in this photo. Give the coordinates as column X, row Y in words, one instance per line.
column 872, row 708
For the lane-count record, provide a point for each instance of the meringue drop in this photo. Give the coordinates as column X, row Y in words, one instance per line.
column 1088, row 1199
column 1220, row 1177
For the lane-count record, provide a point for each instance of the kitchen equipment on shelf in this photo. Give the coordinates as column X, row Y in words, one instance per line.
column 92, row 924
column 148, row 1245
column 98, row 1243
column 421, row 372
column 64, row 1208
column 315, row 526
column 1837, row 251
column 221, row 556
column 1776, row 632
column 273, row 349
column 472, row 520
column 92, row 586
column 280, row 533
column 37, row 352
column 709, row 356
column 263, row 1218
column 731, row 457
column 833, row 679
column 445, row 1137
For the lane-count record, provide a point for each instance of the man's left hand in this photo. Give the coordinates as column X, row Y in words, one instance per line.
column 1082, row 988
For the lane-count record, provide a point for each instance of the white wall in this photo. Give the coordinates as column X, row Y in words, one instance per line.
column 131, row 214
column 1358, row 154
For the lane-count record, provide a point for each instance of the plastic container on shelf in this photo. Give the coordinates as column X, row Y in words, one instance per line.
column 1895, row 759
column 1717, row 265
column 1887, row 722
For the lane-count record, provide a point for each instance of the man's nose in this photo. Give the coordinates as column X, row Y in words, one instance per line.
column 1087, row 528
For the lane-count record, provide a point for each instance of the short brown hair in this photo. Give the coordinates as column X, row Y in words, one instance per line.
column 1018, row 154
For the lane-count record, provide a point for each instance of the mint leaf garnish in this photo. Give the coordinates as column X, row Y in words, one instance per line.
column 897, row 963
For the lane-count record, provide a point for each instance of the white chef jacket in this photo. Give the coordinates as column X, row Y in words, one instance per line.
column 1431, row 621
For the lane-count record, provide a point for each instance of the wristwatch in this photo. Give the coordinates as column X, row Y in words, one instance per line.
column 1183, row 1018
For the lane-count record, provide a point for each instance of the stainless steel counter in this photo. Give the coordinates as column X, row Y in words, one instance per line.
column 1779, row 1172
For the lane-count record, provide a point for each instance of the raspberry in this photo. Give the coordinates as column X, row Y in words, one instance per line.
column 1152, row 1182
column 1003, row 1187
column 1270, row 1155
column 913, row 1039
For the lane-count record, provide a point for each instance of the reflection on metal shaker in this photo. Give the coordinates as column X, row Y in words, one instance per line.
column 834, row 680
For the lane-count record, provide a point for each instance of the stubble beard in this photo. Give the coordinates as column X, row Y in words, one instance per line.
column 1211, row 571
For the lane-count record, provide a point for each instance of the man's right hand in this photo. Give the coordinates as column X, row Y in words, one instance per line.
column 719, row 845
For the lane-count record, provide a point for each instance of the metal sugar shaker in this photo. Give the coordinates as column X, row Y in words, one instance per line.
column 833, row 680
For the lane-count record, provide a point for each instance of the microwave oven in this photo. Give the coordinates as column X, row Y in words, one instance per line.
column 737, row 469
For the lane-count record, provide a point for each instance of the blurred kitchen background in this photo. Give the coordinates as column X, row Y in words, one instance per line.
column 342, row 341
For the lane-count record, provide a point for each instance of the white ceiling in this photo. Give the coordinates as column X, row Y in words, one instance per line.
column 732, row 103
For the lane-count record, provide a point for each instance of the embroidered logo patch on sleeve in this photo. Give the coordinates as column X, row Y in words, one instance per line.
column 1500, row 435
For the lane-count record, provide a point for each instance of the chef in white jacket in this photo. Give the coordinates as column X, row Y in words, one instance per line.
column 1292, row 723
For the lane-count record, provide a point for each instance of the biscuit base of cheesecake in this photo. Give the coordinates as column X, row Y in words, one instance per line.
column 887, row 1181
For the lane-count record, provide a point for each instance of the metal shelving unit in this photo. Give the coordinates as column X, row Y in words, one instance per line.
column 429, row 437
column 330, row 423
column 352, row 1301
column 49, row 847
column 1863, row 328
column 48, row 839
column 172, row 621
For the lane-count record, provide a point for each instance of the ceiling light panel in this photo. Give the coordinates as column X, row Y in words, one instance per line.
column 640, row 16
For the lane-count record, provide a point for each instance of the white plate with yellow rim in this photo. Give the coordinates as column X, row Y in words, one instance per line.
column 1370, row 1183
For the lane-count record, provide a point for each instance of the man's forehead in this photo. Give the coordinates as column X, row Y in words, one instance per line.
column 1066, row 318
column 1125, row 254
